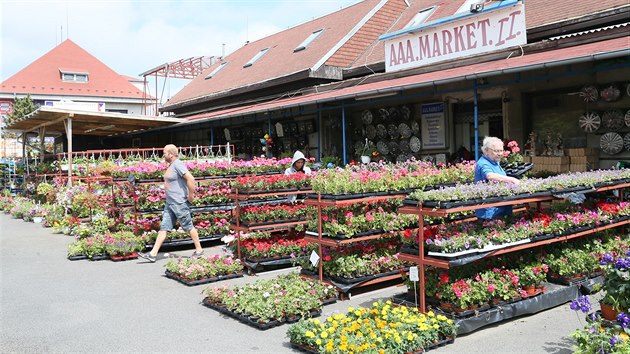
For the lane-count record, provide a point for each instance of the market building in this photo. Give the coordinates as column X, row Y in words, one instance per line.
column 423, row 79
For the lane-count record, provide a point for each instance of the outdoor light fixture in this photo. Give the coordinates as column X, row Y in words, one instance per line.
column 474, row 8
column 107, row 127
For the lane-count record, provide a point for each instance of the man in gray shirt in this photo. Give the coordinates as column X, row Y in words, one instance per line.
column 179, row 185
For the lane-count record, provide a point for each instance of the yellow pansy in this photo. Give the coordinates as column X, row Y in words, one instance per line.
column 318, row 341
column 324, row 334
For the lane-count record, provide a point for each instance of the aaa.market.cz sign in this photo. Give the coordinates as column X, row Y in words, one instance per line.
column 489, row 31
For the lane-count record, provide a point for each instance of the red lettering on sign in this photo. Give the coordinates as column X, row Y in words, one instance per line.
column 512, row 34
column 447, row 37
column 392, row 56
column 483, row 25
column 459, row 38
column 410, row 56
column 470, row 36
column 401, row 54
column 425, row 48
column 436, row 45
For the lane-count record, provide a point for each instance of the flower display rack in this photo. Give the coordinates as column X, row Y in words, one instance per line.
column 468, row 322
column 344, row 286
column 441, row 211
column 266, row 197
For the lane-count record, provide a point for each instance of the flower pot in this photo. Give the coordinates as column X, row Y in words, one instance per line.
column 38, row 219
column 366, row 159
column 530, row 289
column 608, row 312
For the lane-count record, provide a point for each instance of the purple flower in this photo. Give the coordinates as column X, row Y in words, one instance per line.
column 582, row 303
column 614, row 340
column 607, row 258
column 623, row 319
column 622, row 264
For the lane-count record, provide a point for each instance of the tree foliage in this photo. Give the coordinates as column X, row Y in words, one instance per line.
column 21, row 107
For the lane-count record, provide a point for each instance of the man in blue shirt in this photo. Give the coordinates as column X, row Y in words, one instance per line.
column 488, row 169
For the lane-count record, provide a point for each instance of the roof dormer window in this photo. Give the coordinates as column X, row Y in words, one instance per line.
column 71, row 76
column 308, row 40
column 421, row 17
column 256, row 57
column 216, row 70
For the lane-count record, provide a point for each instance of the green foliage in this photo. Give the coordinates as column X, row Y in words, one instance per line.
column 21, row 108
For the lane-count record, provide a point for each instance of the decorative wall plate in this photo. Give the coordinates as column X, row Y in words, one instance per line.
column 589, row 93
column 626, row 118
column 402, row 158
column 613, row 120
column 404, row 130
column 370, row 132
column 367, row 116
column 359, row 132
column 392, row 130
column 610, row 93
column 590, row 122
column 394, row 113
column 384, row 114
column 381, row 131
column 382, row 147
column 415, row 127
column 404, row 146
column 611, row 143
column 626, row 141
column 415, row 144
column 393, row 148
column 405, row 111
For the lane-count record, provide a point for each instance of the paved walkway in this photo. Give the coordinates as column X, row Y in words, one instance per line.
column 50, row 304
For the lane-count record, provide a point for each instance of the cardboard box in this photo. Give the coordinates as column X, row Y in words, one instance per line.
column 578, row 167
column 582, row 152
column 584, row 160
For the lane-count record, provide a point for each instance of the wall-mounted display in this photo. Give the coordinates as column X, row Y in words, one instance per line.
column 433, row 126
column 611, row 143
column 590, row 122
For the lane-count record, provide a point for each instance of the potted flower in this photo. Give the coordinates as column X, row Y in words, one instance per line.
column 367, row 152
column 616, row 285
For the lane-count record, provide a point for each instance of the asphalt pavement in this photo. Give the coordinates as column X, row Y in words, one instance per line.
column 50, row 304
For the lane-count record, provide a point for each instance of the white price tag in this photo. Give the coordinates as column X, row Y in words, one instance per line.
column 314, row 258
column 413, row 274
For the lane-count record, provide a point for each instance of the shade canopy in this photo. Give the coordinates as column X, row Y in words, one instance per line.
column 87, row 122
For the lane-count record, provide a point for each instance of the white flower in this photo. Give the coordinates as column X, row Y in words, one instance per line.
column 266, row 294
column 227, row 239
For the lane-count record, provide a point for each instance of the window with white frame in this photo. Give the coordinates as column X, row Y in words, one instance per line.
column 216, row 70
column 74, row 76
column 256, row 57
column 421, row 17
column 308, row 40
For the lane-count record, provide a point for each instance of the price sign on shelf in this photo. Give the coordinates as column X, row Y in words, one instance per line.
column 314, row 258
column 413, row 274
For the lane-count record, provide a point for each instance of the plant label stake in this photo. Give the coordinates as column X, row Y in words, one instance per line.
column 314, row 258
column 413, row 276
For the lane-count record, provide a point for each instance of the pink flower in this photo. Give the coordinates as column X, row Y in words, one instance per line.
column 491, row 288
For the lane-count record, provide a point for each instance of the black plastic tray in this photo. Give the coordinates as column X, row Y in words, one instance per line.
column 202, row 281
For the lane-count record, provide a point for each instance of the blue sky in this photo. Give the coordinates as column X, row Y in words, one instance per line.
column 132, row 37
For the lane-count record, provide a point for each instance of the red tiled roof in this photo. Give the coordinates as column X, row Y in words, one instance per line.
column 549, row 58
column 43, row 76
column 378, row 24
column 537, row 13
column 280, row 60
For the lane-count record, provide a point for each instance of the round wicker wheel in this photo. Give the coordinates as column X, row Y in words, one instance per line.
column 590, row 122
